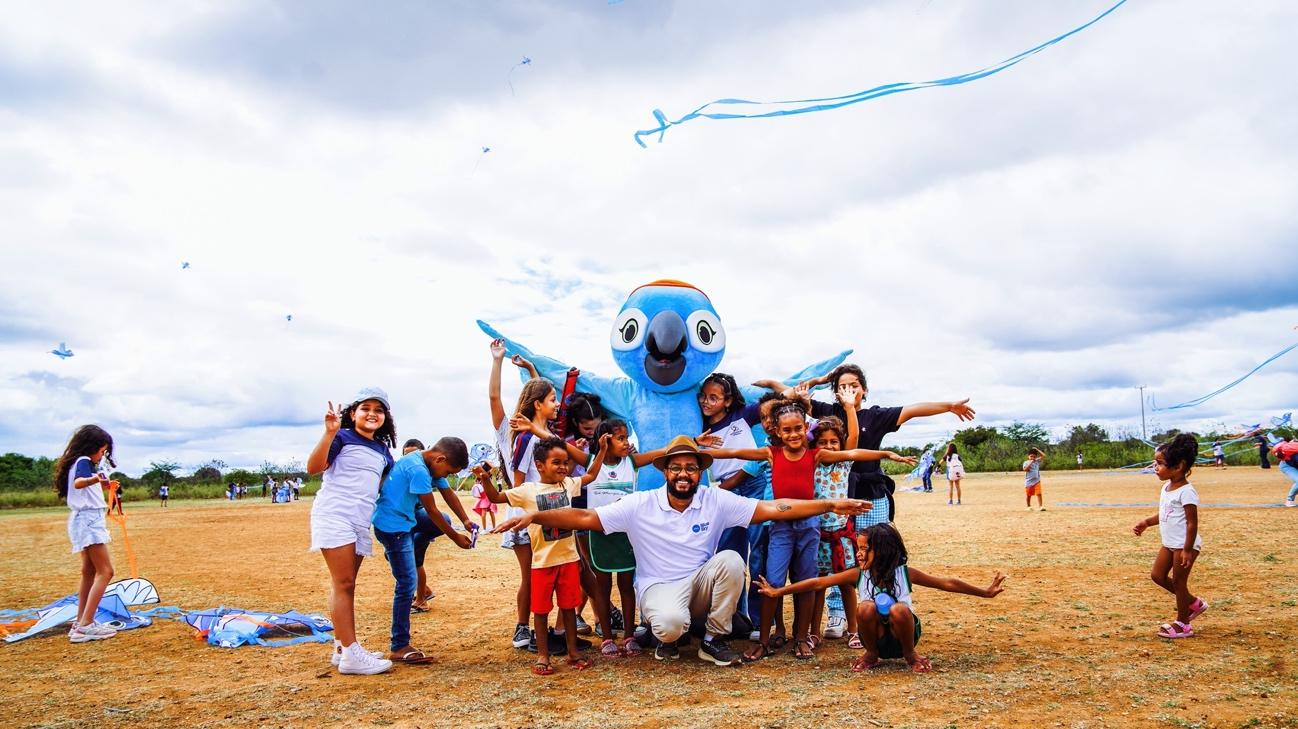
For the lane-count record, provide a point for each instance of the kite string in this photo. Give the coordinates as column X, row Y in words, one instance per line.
column 116, row 513
column 1205, row 398
column 834, row 102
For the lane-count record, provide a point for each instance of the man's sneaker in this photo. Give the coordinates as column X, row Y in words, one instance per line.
column 522, row 636
column 836, row 627
column 667, row 652
column 358, row 661
column 719, row 652
column 337, row 654
column 583, row 627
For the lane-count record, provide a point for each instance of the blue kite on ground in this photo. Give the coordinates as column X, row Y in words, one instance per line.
column 114, row 610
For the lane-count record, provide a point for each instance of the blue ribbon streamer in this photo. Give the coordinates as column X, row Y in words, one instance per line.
column 835, row 102
column 1205, row 398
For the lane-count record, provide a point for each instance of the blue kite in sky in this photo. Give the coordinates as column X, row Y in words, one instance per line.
column 62, row 351
column 1205, row 398
column 765, row 109
column 509, row 76
column 184, row 265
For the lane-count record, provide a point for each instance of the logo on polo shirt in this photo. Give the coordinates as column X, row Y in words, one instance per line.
column 700, row 528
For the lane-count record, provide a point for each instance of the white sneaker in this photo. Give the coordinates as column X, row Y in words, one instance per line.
column 94, row 631
column 336, row 655
column 835, row 627
column 1291, row 503
column 357, row 660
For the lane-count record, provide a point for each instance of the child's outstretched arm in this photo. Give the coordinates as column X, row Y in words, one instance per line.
column 951, row 584
column 493, row 383
column 318, row 461
column 435, row 516
column 862, row 454
column 743, row 454
column 483, row 473
column 524, row 363
column 452, row 500
column 960, row 408
column 1144, row 524
column 838, row 579
column 592, row 471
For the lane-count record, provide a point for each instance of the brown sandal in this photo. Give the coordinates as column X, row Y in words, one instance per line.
column 753, row 655
column 804, row 650
column 413, row 657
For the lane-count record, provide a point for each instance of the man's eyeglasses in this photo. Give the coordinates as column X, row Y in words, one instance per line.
column 676, row 469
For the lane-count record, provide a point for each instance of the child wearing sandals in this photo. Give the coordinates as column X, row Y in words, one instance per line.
column 837, row 533
column 555, row 562
column 794, row 544
column 1178, row 525
column 885, row 581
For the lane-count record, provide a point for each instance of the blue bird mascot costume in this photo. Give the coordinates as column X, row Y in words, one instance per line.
column 667, row 339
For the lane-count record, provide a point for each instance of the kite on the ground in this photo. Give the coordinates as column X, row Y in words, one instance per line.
column 232, row 627
column 766, row 109
column 113, row 610
column 1205, row 398
column 62, row 351
column 509, row 77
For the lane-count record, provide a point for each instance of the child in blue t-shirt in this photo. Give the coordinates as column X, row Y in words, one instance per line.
column 409, row 484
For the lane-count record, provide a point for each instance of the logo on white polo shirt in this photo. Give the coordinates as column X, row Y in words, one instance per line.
column 700, row 528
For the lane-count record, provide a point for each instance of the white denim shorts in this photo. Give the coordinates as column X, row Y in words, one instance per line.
column 329, row 531
column 87, row 527
column 509, row 540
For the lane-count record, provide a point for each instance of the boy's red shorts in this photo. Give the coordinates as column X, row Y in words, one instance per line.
column 563, row 581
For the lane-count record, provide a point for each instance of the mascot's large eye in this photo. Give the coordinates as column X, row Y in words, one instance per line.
column 628, row 330
column 706, row 334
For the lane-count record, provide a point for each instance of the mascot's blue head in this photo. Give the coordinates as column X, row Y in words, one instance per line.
column 668, row 338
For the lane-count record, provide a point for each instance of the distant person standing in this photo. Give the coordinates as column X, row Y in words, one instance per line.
column 1032, row 477
column 163, row 492
column 268, row 486
column 1262, row 451
column 1218, row 454
column 954, row 472
column 1079, row 460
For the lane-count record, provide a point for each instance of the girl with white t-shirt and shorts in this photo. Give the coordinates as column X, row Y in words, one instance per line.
column 1178, row 525
column 954, row 472
column 353, row 455
column 80, row 482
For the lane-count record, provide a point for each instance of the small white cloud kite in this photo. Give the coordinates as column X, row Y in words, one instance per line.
column 62, row 352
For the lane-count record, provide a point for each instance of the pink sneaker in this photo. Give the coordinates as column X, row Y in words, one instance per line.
column 1175, row 629
column 1197, row 608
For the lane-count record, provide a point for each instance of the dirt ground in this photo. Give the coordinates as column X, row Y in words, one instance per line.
column 1069, row 644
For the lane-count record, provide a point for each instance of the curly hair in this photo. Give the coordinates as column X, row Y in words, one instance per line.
column 889, row 553
column 1180, row 451
column 543, row 447
column 386, row 434
column 846, row 369
column 830, row 423
column 84, row 442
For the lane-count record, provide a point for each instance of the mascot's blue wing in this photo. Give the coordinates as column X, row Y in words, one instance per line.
column 816, row 370
column 614, row 394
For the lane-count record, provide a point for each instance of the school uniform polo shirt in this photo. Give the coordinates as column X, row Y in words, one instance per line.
column 671, row 545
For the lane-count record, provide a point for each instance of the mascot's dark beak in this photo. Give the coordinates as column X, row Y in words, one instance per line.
column 665, row 343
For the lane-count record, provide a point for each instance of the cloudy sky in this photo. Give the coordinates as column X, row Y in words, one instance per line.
column 1119, row 210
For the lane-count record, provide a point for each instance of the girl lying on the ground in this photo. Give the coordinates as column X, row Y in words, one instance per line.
column 888, row 625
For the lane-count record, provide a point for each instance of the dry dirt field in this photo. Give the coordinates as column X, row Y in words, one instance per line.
column 1069, row 644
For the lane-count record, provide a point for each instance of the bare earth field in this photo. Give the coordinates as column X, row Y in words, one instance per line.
column 1069, row 644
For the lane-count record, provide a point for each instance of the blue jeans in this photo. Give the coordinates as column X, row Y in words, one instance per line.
column 424, row 533
column 399, row 548
column 1292, row 473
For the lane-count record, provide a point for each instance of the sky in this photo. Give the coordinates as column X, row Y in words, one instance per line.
column 1116, row 211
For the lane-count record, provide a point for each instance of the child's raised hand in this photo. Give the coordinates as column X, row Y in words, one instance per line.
column 962, row 410
column 333, row 419
column 765, row 588
column 996, row 587
column 605, row 441
column 497, row 349
column 1139, row 528
column 521, row 361
column 707, row 440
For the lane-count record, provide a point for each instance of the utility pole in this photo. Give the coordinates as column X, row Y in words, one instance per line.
column 1143, row 433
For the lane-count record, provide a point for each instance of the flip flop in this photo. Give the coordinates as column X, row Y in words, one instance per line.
column 921, row 665
column 751, row 655
column 418, row 608
column 804, row 655
column 778, row 642
column 543, row 669
column 860, row 665
column 412, row 657
column 580, row 664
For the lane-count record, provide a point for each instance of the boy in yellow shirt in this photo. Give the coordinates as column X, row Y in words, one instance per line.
column 556, row 570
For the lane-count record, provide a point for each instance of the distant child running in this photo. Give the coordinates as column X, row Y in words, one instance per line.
column 79, row 481
column 889, row 626
column 354, row 458
column 556, row 569
column 1032, row 477
column 1178, row 525
column 954, row 473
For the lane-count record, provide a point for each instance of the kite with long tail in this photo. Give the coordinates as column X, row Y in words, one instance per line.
column 806, row 106
column 1205, row 398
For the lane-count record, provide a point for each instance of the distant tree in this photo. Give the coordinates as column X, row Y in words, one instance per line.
column 1031, row 433
column 160, row 472
column 268, row 469
column 975, row 436
column 1080, row 435
column 244, row 476
column 206, row 474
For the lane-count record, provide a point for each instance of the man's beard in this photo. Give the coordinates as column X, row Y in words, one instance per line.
column 673, row 489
